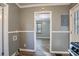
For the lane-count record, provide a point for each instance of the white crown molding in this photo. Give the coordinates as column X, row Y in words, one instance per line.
column 18, row 5
column 37, row 5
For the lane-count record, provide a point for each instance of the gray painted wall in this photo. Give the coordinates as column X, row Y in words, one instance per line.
column 60, row 41
column 13, row 18
column 13, row 45
column 27, row 21
column 27, row 40
column 25, row 17
column 13, row 23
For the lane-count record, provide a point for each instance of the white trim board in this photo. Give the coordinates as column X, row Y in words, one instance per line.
column 62, row 52
column 12, row 32
column 41, row 4
column 43, row 37
column 33, row 31
column 22, row 50
column 19, row 31
column 1, row 31
column 6, row 46
column 60, row 31
column 27, row 50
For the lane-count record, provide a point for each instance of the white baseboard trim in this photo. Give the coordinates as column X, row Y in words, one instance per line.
column 60, row 32
column 43, row 37
column 27, row 50
column 62, row 52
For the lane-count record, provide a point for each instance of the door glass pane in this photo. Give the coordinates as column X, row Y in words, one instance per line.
column 78, row 21
column 39, row 27
column 75, row 22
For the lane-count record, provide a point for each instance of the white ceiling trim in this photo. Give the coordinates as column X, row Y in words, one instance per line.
column 36, row 5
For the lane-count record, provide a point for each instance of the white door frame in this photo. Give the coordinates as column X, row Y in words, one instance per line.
column 4, row 41
column 50, row 12
column 5, row 29
column 0, row 30
column 72, row 34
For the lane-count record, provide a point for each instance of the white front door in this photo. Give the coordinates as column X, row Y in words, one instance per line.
column 74, row 24
column 0, row 30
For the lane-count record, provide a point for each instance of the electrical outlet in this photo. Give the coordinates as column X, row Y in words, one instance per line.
column 14, row 37
column 24, row 45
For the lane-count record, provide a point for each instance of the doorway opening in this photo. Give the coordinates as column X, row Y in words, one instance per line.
column 42, row 33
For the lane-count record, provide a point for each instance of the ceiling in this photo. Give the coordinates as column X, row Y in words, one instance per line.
column 26, row 5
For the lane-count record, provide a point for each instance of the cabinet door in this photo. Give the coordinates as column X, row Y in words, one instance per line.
column 0, row 31
column 74, row 24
